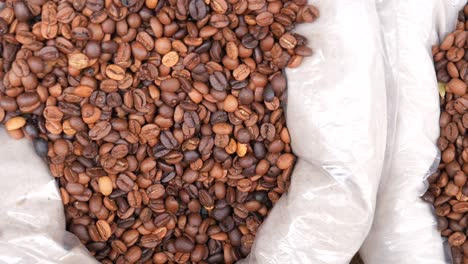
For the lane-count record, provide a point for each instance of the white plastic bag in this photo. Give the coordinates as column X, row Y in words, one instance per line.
column 32, row 223
column 336, row 113
column 404, row 229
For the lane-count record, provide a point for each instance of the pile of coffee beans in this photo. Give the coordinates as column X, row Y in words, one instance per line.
column 161, row 120
column 448, row 190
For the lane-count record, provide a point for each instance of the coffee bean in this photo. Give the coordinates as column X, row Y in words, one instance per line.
column 115, row 72
column 205, row 199
column 15, row 123
column 149, row 241
column 78, row 61
column 168, row 140
column 8, row 104
column 221, row 213
column 218, row 81
column 197, row 9
column 133, row 254
column 288, row 41
column 22, row 12
column 241, row 72
column 170, row 85
column 303, row 51
column 249, row 41
column 155, row 191
column 456, row 86
column 279, row 83
column 256, row 4
column 104, row 229
column 124, row 183
column 80, row 231
column 246, row 96
column 100, row 130
column 184, row 244
column 170, row 59
column 40, row 146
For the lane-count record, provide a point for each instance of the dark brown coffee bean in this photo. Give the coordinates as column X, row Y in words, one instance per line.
column 22, row 12
column 124, row 183
column 184, row 244
column 81, row 232
column 249, row 41
column 243, row 135
column 206, row 145
column 168, row 140
column 221, row 213
column 218, row 81
column 246, row 96
column 205, row 199
column 197, row 9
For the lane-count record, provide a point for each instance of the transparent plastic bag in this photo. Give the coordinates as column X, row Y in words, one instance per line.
column 404, row 229
column 336, row 114
column 32, row 223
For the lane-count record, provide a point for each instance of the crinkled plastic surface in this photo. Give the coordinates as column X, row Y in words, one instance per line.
column 336, row 114
column 32, row 223
column 404, row 229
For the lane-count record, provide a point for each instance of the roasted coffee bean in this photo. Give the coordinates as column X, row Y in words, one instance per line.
column 197, row 9
column 155, row 191
column 124, row 183
column 249, row 41
column 100, row 130
column 218, row 81
column 40, row 146
column 184, row 244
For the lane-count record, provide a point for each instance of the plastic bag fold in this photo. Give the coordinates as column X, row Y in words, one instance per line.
column 336, row 114
column 404, row 230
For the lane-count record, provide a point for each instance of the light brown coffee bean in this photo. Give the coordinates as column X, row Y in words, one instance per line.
column 222, row 128
column 241, row 72
column 285, row 161
column 78, row 61
column 264, row 19
column 170, row 59
column 115, row 72
column 15, row 123
column 105, row 185
column 456, row 86
column 104, row 229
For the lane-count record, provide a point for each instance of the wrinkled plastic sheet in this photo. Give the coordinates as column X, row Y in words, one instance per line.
column 336, row 114
column 32, row 221
column 404, row 229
